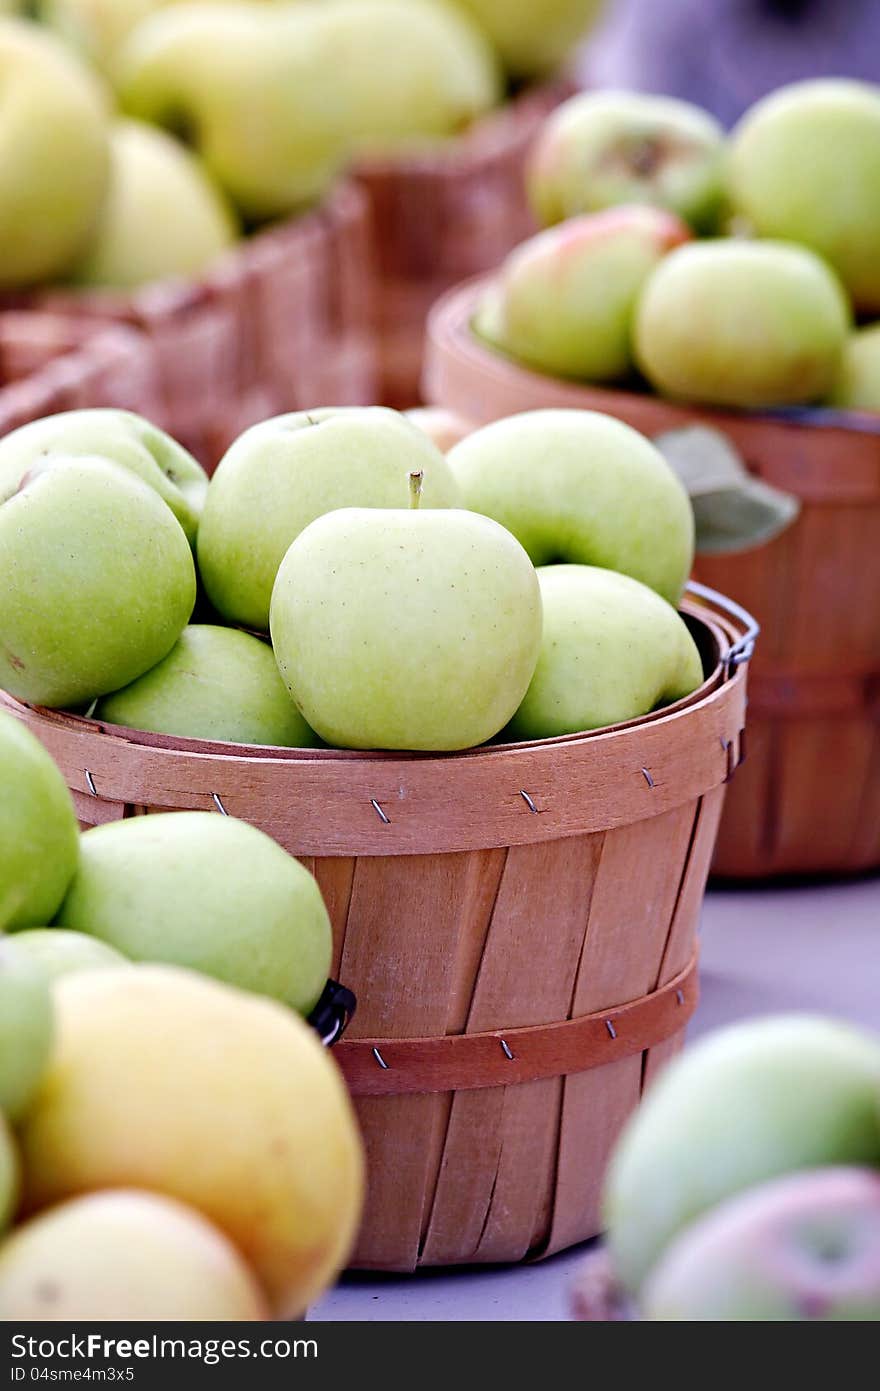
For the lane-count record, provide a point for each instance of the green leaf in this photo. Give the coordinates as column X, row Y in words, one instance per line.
column 733, row 510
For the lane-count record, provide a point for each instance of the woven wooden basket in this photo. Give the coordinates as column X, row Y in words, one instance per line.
column 808, row 800
column 518, row 924
column 442, row 216
column 50, row 364
column 281, row 322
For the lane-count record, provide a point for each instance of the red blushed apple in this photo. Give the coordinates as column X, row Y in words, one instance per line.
column 802, row 1248
column 565, row 299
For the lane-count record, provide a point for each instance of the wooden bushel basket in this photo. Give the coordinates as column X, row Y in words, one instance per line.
column 281, row 322
column 808, row 800
column 49, row 364
column 518, row 923
column 442, row 215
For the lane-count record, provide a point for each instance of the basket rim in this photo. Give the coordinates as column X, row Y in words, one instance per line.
column 417, row 804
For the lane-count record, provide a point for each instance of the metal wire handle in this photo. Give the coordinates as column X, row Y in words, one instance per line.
column 744, row 648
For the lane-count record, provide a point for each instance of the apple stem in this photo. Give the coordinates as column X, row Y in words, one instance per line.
column 415, row 488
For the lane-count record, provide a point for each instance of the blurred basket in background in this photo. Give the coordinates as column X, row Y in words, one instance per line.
column 518, row 924
column 442, row 216
column 808, row 799
column 49, row 363
column 282, row 322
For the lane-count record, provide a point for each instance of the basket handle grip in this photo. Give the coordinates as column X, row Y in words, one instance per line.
column 743, row 649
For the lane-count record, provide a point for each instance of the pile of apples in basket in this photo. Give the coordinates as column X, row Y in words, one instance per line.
column 339, row 580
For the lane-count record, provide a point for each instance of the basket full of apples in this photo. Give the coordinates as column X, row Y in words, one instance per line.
column 505, row 772
column 717, row 293
column 184, row 175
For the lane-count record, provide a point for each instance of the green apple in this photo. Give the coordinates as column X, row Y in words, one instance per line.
column 120, row 437
column 9, row 1174
column 207, row 892
column 55, row 154
column 612, row 650
column 533, row 36
column 857, row 387
column 282, row 474
column 26, row 1028
column 124, row 1256
column 98, row 27
column 197, row 68
column 413, row 71
column 742, row 323
column 60, row 953
column 215, row 683
column 749, row 1103
column 599, row 149
column 804, row 166
column 805, row 1247
column 580, row 487
column 566, row 298
column 99, row 582
column 39, row 834
column 403, row 629
column 155, row 182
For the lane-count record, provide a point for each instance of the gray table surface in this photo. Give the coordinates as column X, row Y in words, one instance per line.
column 763, row 951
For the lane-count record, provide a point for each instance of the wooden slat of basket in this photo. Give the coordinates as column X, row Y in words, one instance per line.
column 407, row 920
column 500, row 1144
column 685, row 923
column 657, row 853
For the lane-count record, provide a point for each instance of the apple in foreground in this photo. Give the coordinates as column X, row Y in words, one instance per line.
column 805, row 1247
column 580, row 487
column 749, row 1103
column 413, row 71
column 284, row 473
column 9, row 1174
column 612, row 650
column 208, row 892
column 600, row 149
column 197, row 68
column 804, row 165
column 566, row 298
column 165, row 1080
column 26, row 1029
column 119, row 437
column 100, row 582
column 400, row 629
column 742, row 323
column 857, row 387
column 126, row 1256
column 215, row 683
column 59, row 953
column 155, row 183
column 533, row 38
column 39, row 834
column 56, row 154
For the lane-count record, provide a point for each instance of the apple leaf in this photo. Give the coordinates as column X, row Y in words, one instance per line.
column 733, row 510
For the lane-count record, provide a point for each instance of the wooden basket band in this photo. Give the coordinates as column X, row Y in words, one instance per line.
column 405, row 805
column 508, row 1057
